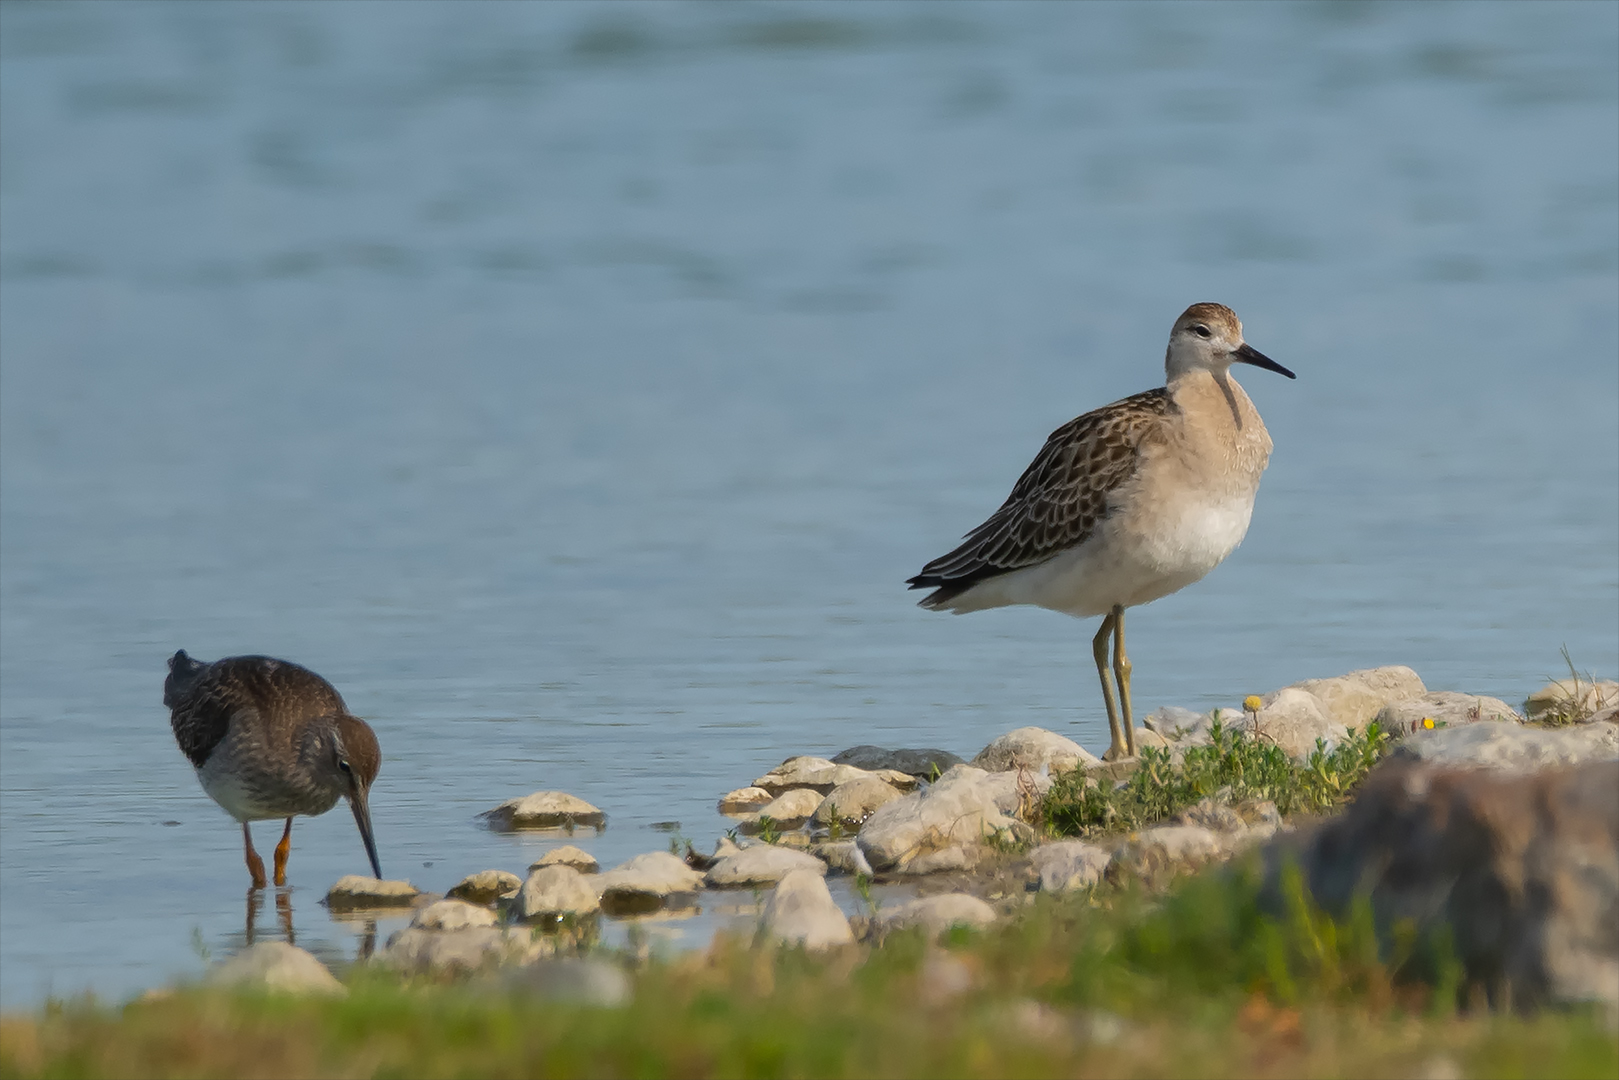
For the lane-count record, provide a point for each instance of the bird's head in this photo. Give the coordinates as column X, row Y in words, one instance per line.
column 1208, row 337
column 355, row 758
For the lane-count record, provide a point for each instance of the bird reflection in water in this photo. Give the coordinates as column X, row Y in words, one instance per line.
column 283, row 912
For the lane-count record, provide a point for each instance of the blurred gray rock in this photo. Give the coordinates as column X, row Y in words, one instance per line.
column 760, row 864
column 275, row 967
column 585, row 981
column 922, row 764
column 453, row 915
column 1510, row 747
column 419, row 949
column 937, row 913
column 1520, row 870
column 1069, row 865
column 801, row 911
column 1157, row 854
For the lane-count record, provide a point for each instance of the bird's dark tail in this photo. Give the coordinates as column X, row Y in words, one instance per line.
column 183, row 673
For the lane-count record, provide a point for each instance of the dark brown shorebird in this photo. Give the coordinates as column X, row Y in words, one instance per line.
column 270, row 739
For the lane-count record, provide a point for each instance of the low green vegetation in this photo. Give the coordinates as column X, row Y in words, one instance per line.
column 1232, row 765
column 1199, row 981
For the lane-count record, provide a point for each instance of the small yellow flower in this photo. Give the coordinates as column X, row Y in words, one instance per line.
column 1427, row 722
column 1252, row 703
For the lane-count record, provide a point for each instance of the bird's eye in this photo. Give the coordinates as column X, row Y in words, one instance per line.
column 1201, row 331
column 342, row 763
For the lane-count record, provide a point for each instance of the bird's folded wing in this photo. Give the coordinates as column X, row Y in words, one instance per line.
column 1061, row 496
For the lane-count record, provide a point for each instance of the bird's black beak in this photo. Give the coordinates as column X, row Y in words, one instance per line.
column 1247, row 354
column 362, row 818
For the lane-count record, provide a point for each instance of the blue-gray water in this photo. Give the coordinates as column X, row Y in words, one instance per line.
column 575, row 386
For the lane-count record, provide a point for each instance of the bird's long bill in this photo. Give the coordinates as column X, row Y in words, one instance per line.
column 362, row 818
column 1250, row 355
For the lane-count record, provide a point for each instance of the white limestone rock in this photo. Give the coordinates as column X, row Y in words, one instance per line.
column 275, row 967
column 820, row 775
column 947, row 825
column 486, row 886
column 744, row 800
column 1511, row 747
column 760, row 864
column 801, row 911
column 850, row 804
column 788, row 810
column 553, row 892
column 544, row 810
column 567, row 855
column 1036, row 750
column 453, row 915
column 1355, row 699
column 354, row 892
column 646, row 883
column 1294, row 719
column 1444, row 708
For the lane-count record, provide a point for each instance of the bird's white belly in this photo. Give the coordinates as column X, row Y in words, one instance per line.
column 1130, row 560
column 241, row 800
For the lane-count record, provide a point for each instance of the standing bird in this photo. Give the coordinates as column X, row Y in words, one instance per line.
column 271, row 739
column 1125, row 504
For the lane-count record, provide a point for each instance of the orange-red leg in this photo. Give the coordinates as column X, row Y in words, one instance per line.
column 255, row 865
column 283, row 851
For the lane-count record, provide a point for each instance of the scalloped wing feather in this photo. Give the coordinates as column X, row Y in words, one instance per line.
column 1058, row 501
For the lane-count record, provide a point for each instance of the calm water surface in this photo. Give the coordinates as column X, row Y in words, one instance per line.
column 575, row 387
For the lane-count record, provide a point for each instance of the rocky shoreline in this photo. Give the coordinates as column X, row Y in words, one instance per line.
column 1481, row 821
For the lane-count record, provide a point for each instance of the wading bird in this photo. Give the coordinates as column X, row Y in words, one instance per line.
column 1126, row 504
column 270, row 739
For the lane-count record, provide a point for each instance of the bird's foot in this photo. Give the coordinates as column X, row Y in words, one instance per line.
column 255, row 866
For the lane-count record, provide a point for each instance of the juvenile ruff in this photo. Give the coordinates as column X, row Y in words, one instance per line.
column 1125, row 504
column 270, row 739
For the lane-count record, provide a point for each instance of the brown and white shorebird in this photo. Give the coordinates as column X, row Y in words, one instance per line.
column 1126, row 504
column 270, row 739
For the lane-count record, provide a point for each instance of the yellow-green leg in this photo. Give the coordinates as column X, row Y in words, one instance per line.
column 1119, row 747
column 1121, row 672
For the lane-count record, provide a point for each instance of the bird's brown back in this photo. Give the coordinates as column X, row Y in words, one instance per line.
column 1058, row 501
column 204, row 699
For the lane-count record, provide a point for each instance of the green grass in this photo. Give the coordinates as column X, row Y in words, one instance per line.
column 1198, row 981
column 1232, row 765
